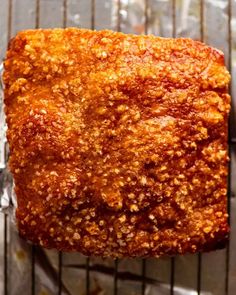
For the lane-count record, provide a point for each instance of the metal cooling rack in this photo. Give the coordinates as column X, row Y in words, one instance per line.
column 51, row 13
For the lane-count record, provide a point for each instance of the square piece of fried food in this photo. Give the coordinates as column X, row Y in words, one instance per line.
column 118, row 143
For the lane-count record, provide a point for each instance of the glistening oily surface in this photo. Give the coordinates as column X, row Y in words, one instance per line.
column 118, row 142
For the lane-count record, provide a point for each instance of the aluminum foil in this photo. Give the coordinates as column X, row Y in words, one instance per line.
column 130, row 19
column 5, row 184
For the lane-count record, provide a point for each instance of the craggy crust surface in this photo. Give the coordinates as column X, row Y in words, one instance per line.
column 118, row 142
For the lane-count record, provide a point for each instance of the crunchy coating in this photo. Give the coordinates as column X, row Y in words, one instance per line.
column 118, row 142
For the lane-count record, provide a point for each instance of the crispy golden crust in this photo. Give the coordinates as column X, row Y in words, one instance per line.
column 118, row 142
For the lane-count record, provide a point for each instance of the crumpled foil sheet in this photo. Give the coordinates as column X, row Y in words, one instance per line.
column 73, row 272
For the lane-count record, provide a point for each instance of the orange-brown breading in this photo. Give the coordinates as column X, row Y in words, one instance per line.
column 118, row 142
